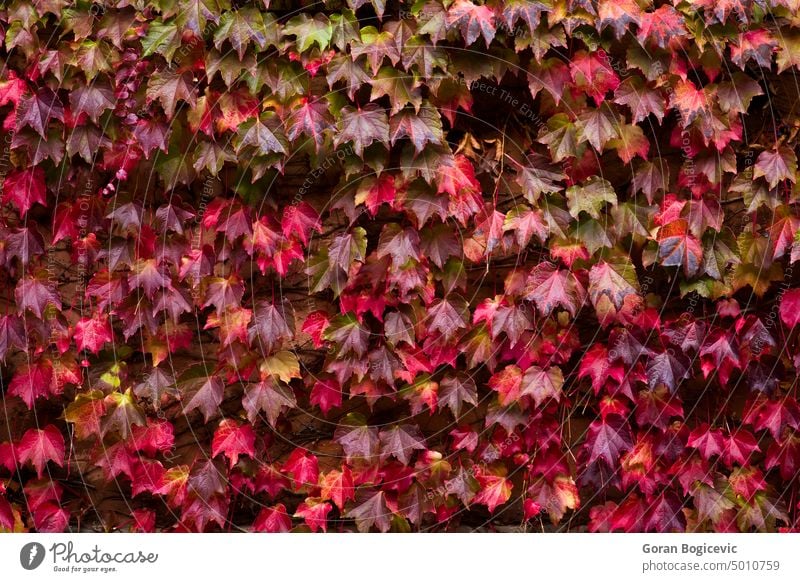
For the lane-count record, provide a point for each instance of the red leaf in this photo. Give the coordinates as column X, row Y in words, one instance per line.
column 22, row 189
column 31, row 293
column 233, row 439
column 300, row 220
column 473, row 20
column 12, row 90
column 144, row 520
column 495, row 490
column 790, row 308
column 303, row 467
column 326, row 394
column 593, row 74
column 34, row 381
column 739, row 448
column 678, row 247
column 50, row 518
column 315, row 513
column 92, row 334
column 371, row 512
column 374, row 192
column 273, row 520
column 457, row 179
column 661, row 25
column 549, row 287
column 507, row 383
column 338, row 486
column 773, row 415
column 40, row 446
column 707, row 441
column 608, row 439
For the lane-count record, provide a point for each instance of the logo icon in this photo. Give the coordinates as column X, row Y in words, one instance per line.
column 31, row 555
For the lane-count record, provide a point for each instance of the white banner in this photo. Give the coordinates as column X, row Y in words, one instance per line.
column 400, row 557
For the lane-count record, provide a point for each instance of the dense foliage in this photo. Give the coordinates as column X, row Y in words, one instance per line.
column 384, row 265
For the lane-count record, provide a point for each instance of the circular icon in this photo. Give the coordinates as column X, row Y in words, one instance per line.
column 31, row 555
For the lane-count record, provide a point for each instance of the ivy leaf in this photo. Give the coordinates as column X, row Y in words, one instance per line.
column 422, row 126
column 122, row 414
column 363, row 126
column 315, row 513
column 677, row 247
column 13, row 89
column 261, row 135
column 541, row 384
column 32, row 294
column 630, row 143
column 615, row 279
column 40, row 446
column 708, row 442
column 233, row 439
column 312, row 119
column 207, row 397
column 690, row 101
column 495, row 491
column 508, row 384
column 246, row 25
column 400, row 442
column 34, row 381
column 560, row 136
column 22, row 189
column 619, row 15
column 590, row 197
column 538, row 177
column 273, row 520
column 347, row 249
column 270, row 397
column 326, row 394
column 597, row 127
column 309, row 30
column 398, row 87
column 457, row 179
column 371, row 511
column 549, row 287
column 790, row 308
column 92, row 334
column 776, row 166
column 358, row 441
column 661, row 25
column 454, row 391
column 282, row 365
column 92, row 100
column 556, row 496
column 161, row 38
column 37, row 110
column 448, row 316
column 169, row 87
column 300, row 220
column 337, row 486
column 593, row 74
column 666, row 369
column 607, row 439
column 473, row 20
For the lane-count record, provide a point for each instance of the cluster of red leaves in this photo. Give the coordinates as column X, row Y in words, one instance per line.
column 399, row 265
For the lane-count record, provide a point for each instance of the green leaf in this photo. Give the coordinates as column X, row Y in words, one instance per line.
column 161, row 38
column 310, row 30
column 590, row 197
column 401, row 88
column 258, row 135
column 560, row 137
column 245, row 25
